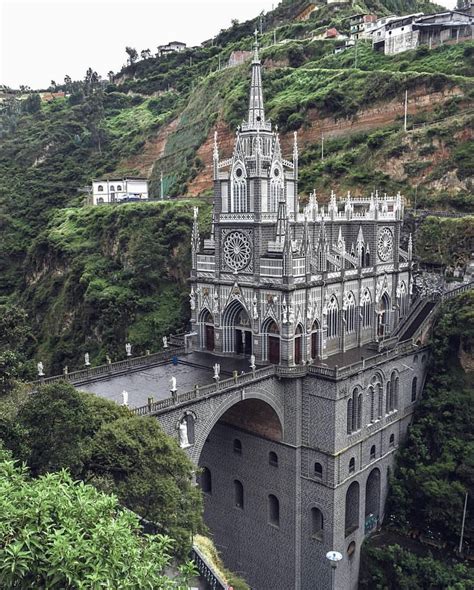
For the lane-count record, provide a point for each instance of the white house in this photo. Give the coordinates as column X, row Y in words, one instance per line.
column 396, row 34
column 171, row 47
column 113, row 190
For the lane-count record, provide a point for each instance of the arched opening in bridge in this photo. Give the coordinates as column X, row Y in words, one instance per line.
column 352, row 508
column 248, row 465
column 237, row 329
column 271, row 337
column 372, row 500
column 206, row 328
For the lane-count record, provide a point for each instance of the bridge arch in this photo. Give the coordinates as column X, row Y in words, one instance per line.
column 261, row 400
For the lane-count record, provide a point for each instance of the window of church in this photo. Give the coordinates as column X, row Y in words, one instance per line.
column 100, row 188
column 273, row 459
column 318, row 471
column 333, row 318
column 317, row 524
column 206, row 481
column 237, row 446
column 372, row 452
column 392, row 440
column 352, row 465
column 238, row 494
column 414, row 387
column 350, row 314
column 273, row 510
column 366, row 309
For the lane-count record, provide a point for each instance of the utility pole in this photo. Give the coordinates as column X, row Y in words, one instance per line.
column 161, row 184
column 355, row 60
column 406, row 111
column 261, row 23
column 463, row 522
column 322, row 147
column 274, row 37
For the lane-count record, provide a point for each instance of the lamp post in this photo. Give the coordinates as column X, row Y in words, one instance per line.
column 334, row 557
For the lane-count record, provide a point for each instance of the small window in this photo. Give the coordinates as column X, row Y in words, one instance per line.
column 112, row 188
column 238, row 494
column 206, row 481
column 351, row 549
column 100, row 200
column 318, row 471
column 100, row 188
column 273, row 459
column 352, row 465
column 317, row 524
column 273, row 510
column 414, row 387
column 372, row 452
column 423, row 359
column 119, row 187
column 237, row 446
column 392, row 440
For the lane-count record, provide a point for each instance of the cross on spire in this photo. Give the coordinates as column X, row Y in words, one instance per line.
column 256, row 115
column 256, row 46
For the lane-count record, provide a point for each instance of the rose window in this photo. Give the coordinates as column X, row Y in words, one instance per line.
column 385, row 244
column 237, row 250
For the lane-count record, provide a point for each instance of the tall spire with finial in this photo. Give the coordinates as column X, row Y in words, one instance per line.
column 256, row 116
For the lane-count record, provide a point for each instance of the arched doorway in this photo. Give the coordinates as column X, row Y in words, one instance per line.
column 383, row 325
column 207, row 330
column 237, row 329
column 271, row 342
column 315, row 332
column 298, row 344
column 352, row 508
column 372, row 500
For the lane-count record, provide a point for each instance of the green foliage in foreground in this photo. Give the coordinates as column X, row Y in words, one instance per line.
column 106, row 445
column 394, row 568
column 58, row 534
column 435, row 467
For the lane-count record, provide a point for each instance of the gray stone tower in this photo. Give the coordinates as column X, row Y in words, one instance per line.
column 300, row 465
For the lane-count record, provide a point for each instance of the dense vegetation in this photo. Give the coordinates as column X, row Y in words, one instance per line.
column 60, row 534
column 91, row 279
column 435, row 468
column 102, row 443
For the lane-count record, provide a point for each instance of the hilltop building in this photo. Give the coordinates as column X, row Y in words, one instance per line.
column 171, row 47
column 116, row 190
column 395, row 34
column 310, row 291
column 360, row 24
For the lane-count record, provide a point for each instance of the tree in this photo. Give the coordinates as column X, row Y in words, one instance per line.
column 145, row 54
column 58, row 534
column 132, row 55
column 57, row 425
column 150, row 475
column 32, row 104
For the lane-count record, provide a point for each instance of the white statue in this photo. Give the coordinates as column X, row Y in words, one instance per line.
column 255, row 308
column 284, row 310
column 252, row 362
column 124, row 398
column 165, row 342
column 66, row 370
column 192, row 299
column 173, row 384
column 87, row 361
column 183, row 434
column 310, row 310
column 128, row 349
column 108, row 359
column 215, row 308
column 217, row 371
column 40, row 369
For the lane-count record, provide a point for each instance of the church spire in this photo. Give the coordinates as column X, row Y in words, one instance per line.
column 256, row 116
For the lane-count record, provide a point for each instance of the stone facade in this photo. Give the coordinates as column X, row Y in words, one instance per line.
column 295, row 463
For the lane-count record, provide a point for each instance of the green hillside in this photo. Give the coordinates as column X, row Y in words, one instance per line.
column 91, row 278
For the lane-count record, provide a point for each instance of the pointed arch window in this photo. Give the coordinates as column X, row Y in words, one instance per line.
column 276, row 190
column 350, row 313
column 239, row 190
column 366, row 308
column 333, row 318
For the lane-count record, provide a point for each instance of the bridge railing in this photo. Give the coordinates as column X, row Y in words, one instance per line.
column 206, row 390
column 206, row 570
column 93, row 373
